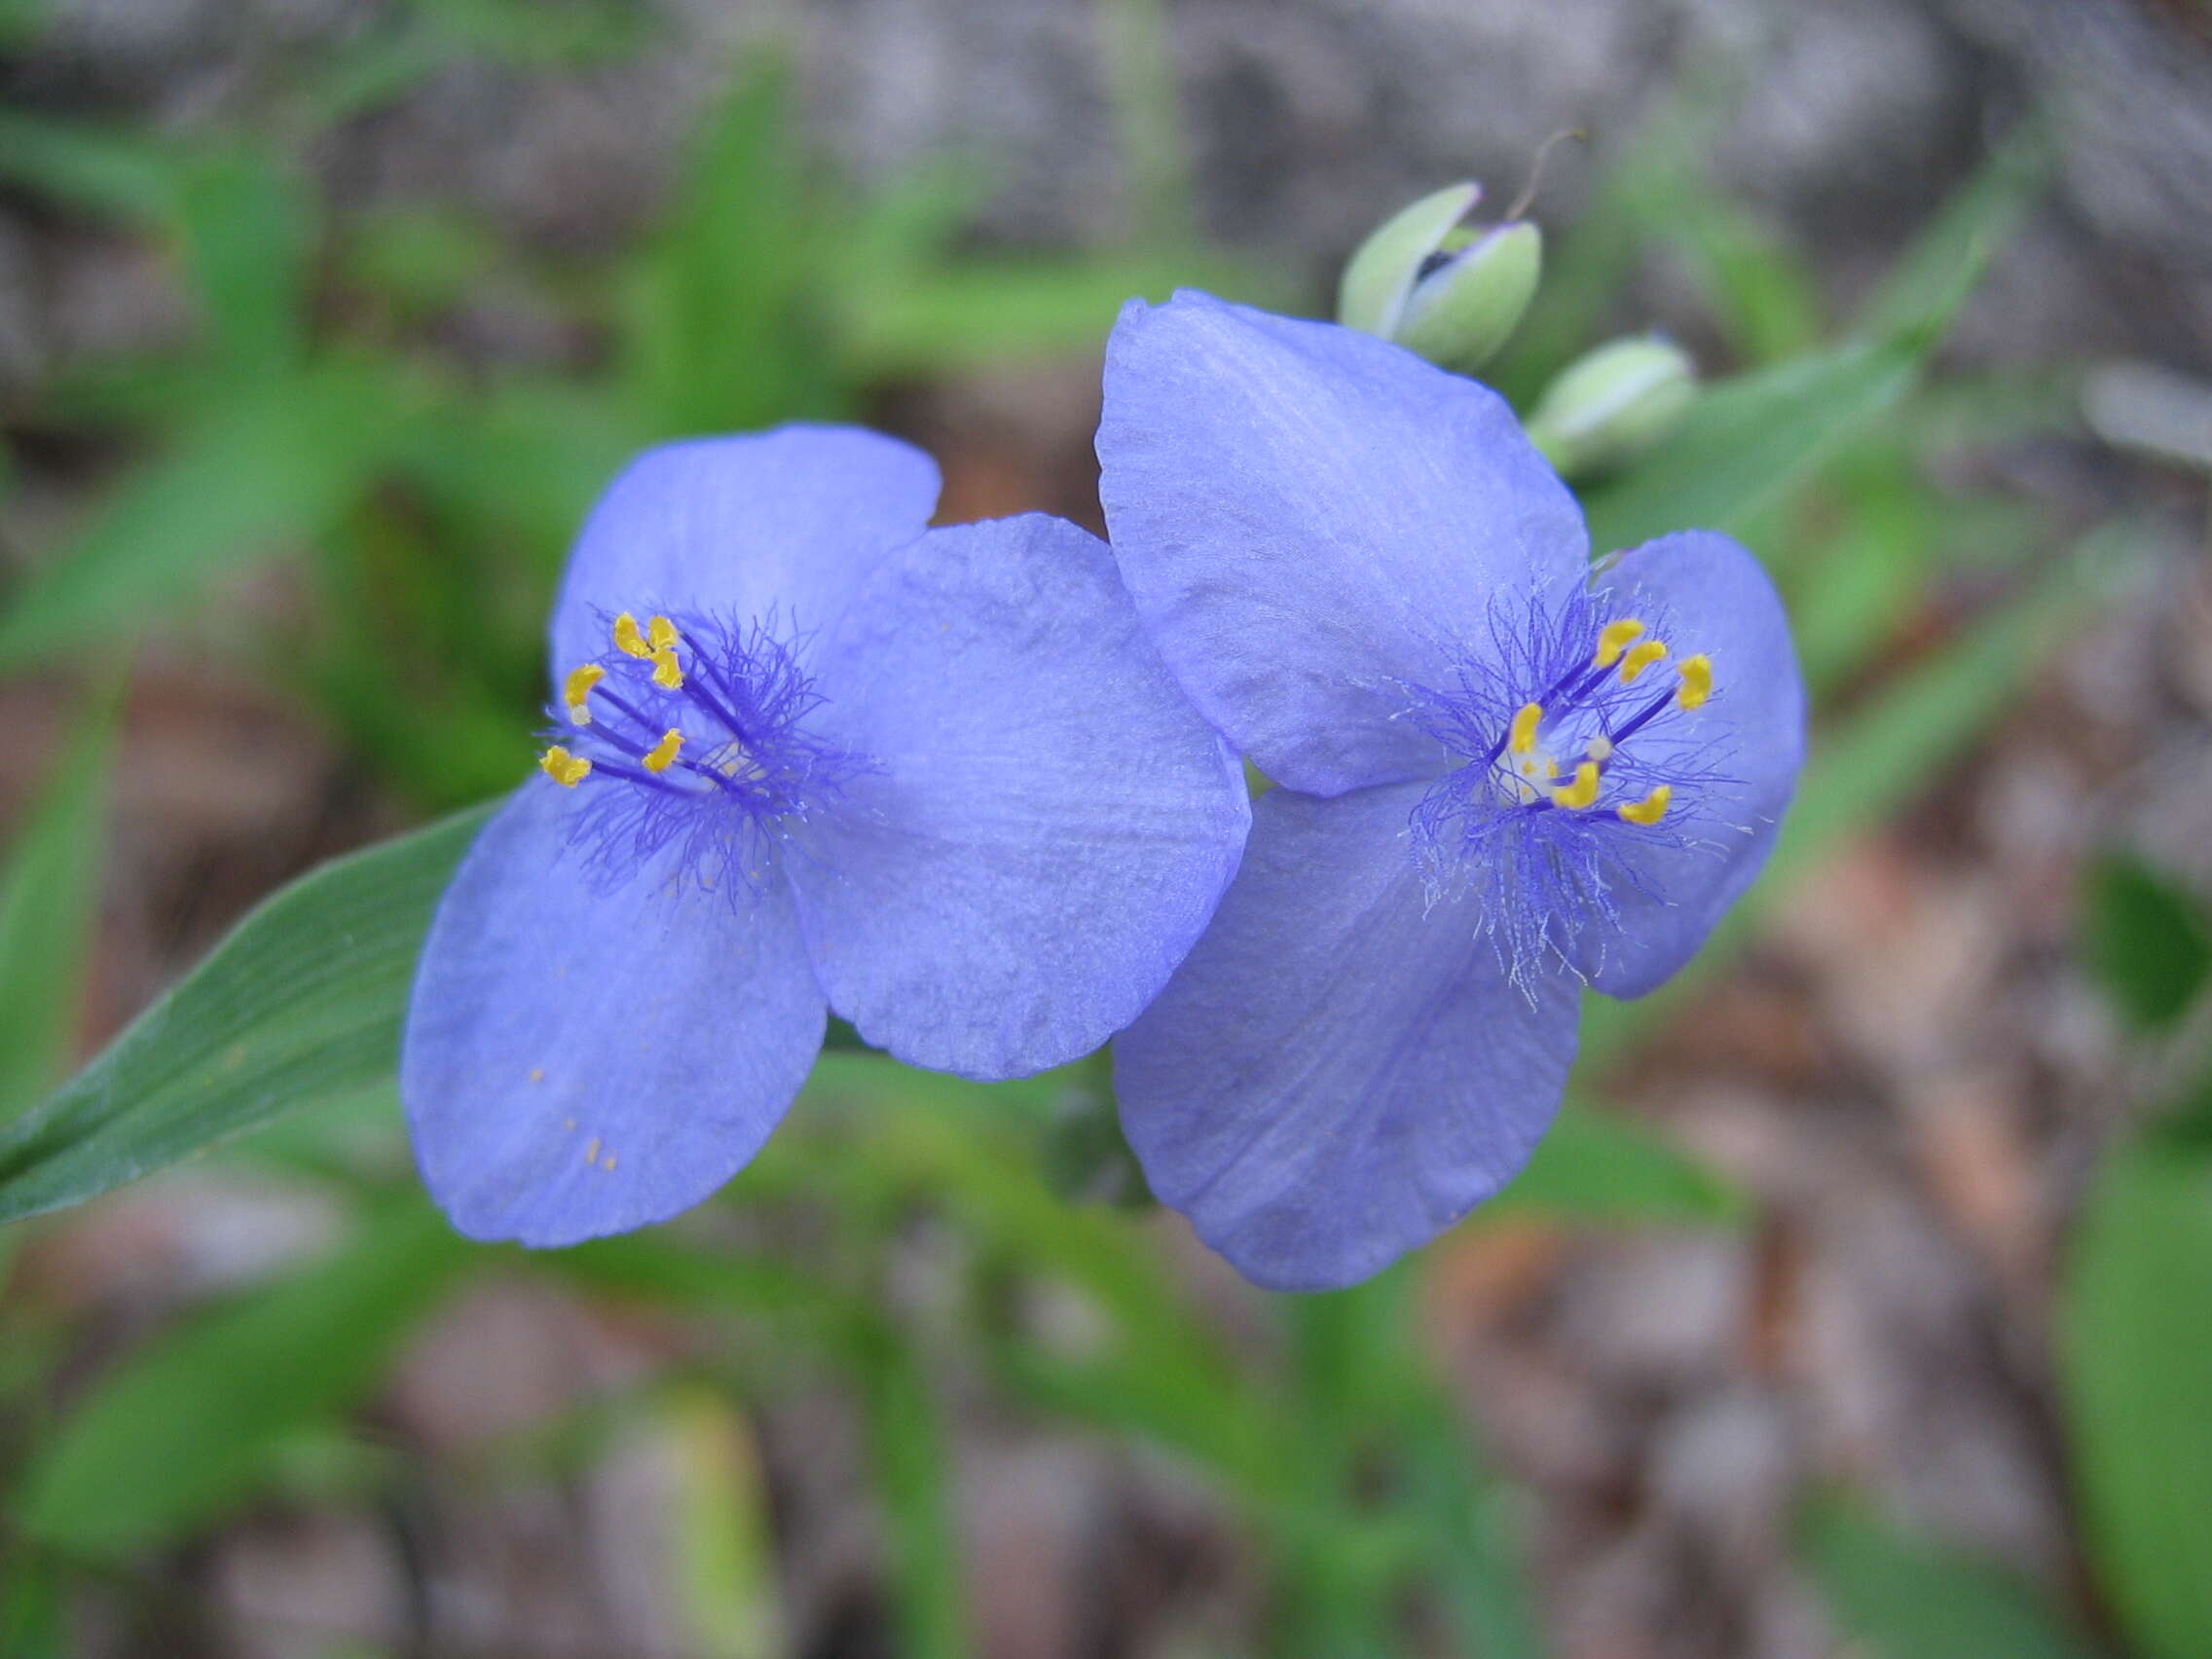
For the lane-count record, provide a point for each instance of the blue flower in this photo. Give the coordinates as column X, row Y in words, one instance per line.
column 1503, row 775
column 803, row 754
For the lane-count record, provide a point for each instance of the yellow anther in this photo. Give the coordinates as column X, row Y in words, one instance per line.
column 627, row 639
column 575, row 691
column 662, row 755
column 566, row 769
column 1639, row 658
column 1583, row 791
column 1650, row 809
column 1697, row 680
column 660, row 633
column 1613, row 639
column 666, row 674
column 1520, row 737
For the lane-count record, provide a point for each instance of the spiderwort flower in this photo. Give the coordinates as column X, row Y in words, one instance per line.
column 801, row 753
column 1501, row 775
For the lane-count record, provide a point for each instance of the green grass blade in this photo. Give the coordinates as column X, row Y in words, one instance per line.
column 912, row 1465
column 301, row 1003
column 1000, row 310
column 275, row 465
column 2137, row 1372
column 183, row 1428
column 1950, row 254
column 723, row 327
column 249, row 229
column 48, row 901
column 1896, row 1597
column 106, row 169
column 1747, row 439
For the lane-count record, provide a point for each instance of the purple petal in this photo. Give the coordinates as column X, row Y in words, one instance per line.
column 1309, row 517
column 1053, row 823
column 791, row 520
column 579, row 1062
column 1720, row 602
column 1339, row 1072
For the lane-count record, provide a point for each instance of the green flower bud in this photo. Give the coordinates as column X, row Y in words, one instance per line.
column 1611, row 404
column 1453, row 294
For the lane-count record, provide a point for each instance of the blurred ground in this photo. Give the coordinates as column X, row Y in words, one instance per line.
column 1909, row 1074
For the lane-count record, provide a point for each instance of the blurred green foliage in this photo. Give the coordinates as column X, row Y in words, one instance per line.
column 2137, row 1295
column 422, row 508
column 2145, row 939
column 1898, row 1596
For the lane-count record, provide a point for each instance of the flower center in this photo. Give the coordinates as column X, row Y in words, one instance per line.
column 1578, row 745
column 691, row 733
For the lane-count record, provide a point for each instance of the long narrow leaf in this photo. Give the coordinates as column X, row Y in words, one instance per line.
column 301, row 1003
column 273, row 466
column 1747, row 439
column 2138, row 1372
column 48, row 897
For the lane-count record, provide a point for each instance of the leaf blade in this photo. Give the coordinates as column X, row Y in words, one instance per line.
column 302, row 1001
column 49, row 896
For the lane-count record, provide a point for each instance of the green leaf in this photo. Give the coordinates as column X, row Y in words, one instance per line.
column 1766, row 299
column 1749, row 438
column 1746, row 439
column 1595, row 1167
column 906, row 1440
column 1897, row 1597
column 984, row 312
column 724, row 313
column 300, row 1004
column 107, row 170
column 48, row 901
column 274, row 464
column 182, row 1429
column 2145, row 938
column 2137, row 1372
column 1951, row 252
column 248, row 227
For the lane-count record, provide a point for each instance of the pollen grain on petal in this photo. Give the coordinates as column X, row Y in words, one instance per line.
column 1640, row 657
column 1613, row 639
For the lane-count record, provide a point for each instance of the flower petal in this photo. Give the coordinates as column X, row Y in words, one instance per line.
column 1053, row 823
column 791, row 519
column 1721, row 604
column 1339, row 1072
column 1306, row 517
column 579, row 1062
